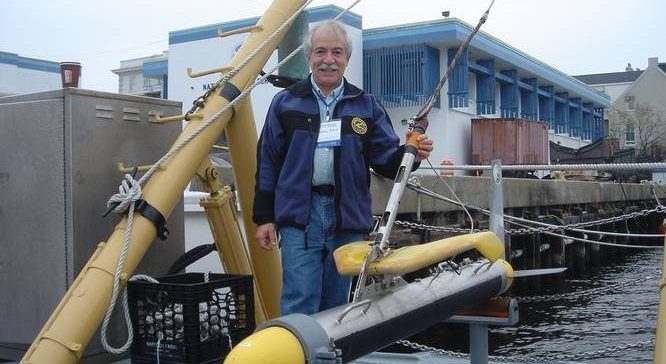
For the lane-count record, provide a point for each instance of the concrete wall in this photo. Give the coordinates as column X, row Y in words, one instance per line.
column 517, row 193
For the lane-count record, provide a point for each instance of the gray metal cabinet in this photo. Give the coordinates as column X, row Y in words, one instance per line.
column 59, row 152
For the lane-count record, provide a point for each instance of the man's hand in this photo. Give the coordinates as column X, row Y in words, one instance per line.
column 266, row 236
column 425, row 147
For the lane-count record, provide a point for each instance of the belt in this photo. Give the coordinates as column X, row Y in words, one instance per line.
column 326, row 190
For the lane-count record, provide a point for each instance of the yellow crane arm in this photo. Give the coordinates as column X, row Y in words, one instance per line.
column 76, row 318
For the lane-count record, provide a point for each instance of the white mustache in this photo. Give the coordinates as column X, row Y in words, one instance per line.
column 328, row 68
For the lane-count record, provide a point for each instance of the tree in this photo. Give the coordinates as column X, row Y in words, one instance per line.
column 645, row 124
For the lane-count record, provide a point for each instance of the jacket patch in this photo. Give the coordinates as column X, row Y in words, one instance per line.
column 359, row 126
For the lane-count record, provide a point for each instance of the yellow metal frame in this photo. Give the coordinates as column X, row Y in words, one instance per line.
column 73, row 323
column 221, row 214
column 349, row 258
column 242, row 138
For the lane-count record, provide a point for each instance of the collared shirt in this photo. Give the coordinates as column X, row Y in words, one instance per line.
column 323, row 158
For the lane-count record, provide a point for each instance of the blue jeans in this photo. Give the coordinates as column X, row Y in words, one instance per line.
column 310, row 281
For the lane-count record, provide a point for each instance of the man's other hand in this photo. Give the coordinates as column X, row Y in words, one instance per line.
column 266, row 236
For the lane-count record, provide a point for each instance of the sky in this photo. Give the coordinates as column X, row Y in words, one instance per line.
column 574, row 36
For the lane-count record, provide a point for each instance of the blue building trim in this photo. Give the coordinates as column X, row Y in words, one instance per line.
column 155, row 68
column 599, row 124
column 454, row 30
column 29, row 63
column 165, row 87
column 8, row 58
column 459, row 80
column 533, row 66
column 401, row 76
column 210, row 31
column 481, row 70
column 587, row 121
column 561, row 112
column 331, row 11
column 428, row 32
column 501, row 77
column 547, row 104
column 509, row 94
column 529, row 99
column 575, row 117
column 485, row 88
column 430, row 71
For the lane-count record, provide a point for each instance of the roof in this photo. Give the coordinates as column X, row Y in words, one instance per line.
column 29, row 63
column 451, row 32
column 613, row 77
column 607, row 78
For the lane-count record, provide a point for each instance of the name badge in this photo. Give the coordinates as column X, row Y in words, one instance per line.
column 329, row 134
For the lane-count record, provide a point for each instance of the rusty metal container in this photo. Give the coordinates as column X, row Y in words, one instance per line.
column 514, row 141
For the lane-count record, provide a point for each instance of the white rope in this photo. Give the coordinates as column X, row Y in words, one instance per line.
column 157, row 350
column 126, row 316
column 560, row 167
column 129, row 192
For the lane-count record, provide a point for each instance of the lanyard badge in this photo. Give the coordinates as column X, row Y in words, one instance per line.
column 329, row 134
column 330, row 129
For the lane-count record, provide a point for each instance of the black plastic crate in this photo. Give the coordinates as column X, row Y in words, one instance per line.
column 192, row 321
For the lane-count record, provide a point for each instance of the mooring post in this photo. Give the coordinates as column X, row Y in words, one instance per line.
column 478, row 331
column 478, row 343
column 497, row 205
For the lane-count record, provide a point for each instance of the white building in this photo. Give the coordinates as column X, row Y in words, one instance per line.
column 22, row 75
column 628, row 90
column 145, row 76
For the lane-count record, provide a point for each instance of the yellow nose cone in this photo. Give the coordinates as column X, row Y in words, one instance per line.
column 273, row 345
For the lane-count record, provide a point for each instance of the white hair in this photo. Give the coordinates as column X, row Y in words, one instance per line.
column 333, row 25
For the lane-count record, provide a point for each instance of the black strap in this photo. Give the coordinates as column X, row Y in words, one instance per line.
column 280, row 81
column 326, row 190
column 230, row 91
column 152, row 214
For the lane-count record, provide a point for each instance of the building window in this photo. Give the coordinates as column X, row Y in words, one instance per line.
column 401, row 76
column 629, row 99
column 629, row 135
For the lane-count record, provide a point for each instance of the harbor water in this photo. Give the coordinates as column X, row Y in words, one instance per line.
column 571, row 325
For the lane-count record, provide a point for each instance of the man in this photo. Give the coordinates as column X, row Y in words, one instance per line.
column 319, row 140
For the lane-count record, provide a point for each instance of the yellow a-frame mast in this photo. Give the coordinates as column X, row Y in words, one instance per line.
column 68, row 331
